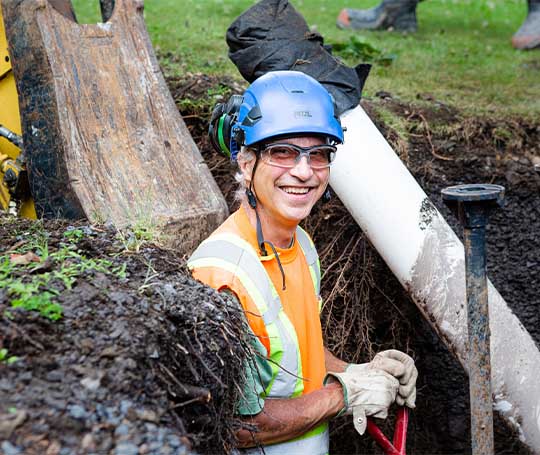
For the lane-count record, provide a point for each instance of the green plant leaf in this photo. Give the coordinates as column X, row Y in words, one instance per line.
column 359, row 48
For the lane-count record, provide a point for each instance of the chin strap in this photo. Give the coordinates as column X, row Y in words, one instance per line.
column 327, row 196
column 252, row 201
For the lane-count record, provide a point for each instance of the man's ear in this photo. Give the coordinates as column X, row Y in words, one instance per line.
column 246, row 168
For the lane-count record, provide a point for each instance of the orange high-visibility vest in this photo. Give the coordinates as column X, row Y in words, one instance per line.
column 285, row 321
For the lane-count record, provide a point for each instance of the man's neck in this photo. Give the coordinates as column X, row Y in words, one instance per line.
column 279, row 234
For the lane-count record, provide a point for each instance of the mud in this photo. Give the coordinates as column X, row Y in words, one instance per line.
column 146, row 363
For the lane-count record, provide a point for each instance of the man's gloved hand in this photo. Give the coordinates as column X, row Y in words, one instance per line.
column 399, row 365
column 368, row 392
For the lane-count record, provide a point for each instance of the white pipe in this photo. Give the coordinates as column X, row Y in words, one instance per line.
column 428, row 259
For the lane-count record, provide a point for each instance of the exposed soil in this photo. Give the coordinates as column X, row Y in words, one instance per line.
column 100, row 380
column 139, row 364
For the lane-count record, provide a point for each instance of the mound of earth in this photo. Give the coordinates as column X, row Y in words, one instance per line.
column 142, row 360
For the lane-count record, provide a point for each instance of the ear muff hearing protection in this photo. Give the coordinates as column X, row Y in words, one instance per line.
column 223, row 118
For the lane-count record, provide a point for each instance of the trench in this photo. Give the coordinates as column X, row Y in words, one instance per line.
column 366, row 310
column 129, row 366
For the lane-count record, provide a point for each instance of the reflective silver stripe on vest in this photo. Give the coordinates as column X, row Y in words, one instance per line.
column 311, row 256
column 284, row 382
column 240, row 258
column 314, row 445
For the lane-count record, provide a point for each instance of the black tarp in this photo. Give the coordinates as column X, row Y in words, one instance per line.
column 272, row 35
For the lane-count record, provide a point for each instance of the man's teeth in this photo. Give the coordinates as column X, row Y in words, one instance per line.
column 294, row 190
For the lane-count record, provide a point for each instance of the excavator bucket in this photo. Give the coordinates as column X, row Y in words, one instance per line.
column 102, row 136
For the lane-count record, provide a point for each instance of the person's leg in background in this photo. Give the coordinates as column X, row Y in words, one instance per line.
column 528, row 35
column 389, row 14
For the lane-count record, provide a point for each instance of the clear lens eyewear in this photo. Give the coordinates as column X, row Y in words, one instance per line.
column 289, row 155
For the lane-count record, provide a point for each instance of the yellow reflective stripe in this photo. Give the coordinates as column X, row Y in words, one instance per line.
column 276, row 350
column 248, row 284
column 276, row 346
column 312, row 272
column 315, row 432
column 299, row 386
column 276, row 353
column 234, row 238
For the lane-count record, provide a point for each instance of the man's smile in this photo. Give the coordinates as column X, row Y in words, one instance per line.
column 295, row 189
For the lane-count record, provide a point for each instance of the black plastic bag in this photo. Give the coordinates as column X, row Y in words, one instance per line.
column 272, row 35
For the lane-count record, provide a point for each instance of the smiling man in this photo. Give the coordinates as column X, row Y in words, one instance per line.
column 283, row 134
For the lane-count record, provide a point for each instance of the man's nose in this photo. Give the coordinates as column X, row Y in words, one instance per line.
column 302, row 169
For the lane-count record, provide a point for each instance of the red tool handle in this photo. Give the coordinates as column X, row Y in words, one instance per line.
column 399, row 444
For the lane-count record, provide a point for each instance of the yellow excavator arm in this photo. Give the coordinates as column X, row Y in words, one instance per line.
column 13, row 179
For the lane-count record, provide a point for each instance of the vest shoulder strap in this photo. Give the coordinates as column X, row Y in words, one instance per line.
column 312, row 258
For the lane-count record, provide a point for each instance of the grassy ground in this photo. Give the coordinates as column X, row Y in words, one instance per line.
column 461, row 54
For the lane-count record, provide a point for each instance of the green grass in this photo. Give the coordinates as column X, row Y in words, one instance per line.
column 36, row 290
column 461, row 54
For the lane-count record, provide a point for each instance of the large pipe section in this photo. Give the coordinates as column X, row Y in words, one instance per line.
column 428, row 259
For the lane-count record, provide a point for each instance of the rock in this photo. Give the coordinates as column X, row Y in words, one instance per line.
column 55, row 403
column 148, row 416
column 77, row 412
column 88, row 443
column 126, row 448
column 121, row 297
column 125, row 405
column 110, row 352
column 54, row 376
column 87, row 292
column 54, row 448
column 9, row 449
column 5, row 385
column 9, row 422
column 91, row 383
column 121, row 430
column 174, row 441
column 118, row 328
column 127, row 363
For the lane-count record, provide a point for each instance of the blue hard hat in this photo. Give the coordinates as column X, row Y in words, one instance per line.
column 284, row 103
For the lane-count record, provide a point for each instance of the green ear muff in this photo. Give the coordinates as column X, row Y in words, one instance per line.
column 223, row 118
column 221, row 139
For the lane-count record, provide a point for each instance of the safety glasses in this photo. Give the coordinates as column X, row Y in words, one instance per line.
column 288, row 155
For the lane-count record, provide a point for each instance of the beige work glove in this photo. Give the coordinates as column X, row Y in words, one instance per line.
column 368, row 392
column 399, row 365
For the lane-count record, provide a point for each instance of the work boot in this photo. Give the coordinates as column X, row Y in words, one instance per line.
column 528, row 35
column 396, row 14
